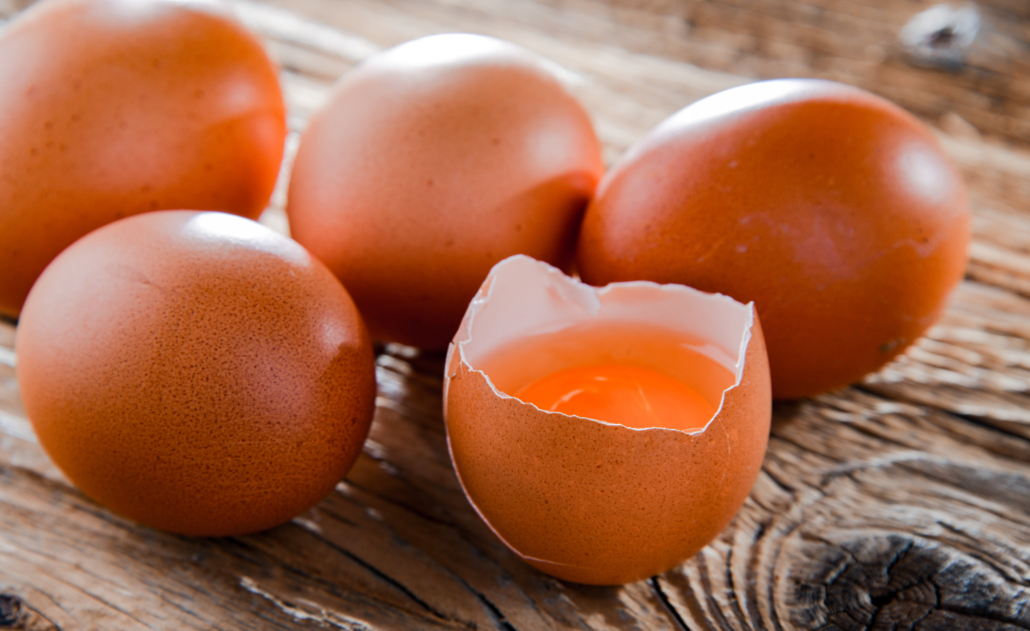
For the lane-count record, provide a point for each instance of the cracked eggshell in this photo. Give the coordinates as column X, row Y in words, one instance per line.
column 196, row 372
column 584, row 500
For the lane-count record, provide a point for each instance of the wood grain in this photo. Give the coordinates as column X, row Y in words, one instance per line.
column 898, row 503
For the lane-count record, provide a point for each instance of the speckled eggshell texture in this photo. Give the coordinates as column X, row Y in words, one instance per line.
column 588, row 501
column 116, row 107
column 835, row 211
column 196, row 372
column 431, row 162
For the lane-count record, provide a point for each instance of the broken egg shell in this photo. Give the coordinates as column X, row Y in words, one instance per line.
column 584, row 500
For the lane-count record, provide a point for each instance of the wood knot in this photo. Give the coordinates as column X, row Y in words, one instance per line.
column 15, row 615
column 941, row 35
column 899, row 581
column 10, row 610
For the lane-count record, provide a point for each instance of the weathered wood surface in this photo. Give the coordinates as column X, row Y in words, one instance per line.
column 899, row 503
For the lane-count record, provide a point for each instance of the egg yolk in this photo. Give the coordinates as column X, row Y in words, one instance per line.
column 617, row 393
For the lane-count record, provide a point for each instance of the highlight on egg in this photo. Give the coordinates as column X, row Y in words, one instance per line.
column 196, row 372
column 835, row 211
column 432, row 161
column 612, row 500
column 112, row 108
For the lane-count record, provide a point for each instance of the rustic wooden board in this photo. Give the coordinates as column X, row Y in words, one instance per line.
column 900, row 503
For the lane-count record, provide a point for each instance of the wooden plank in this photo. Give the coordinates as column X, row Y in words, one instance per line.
column 896, row 503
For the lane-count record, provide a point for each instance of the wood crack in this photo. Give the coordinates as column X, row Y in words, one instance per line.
column 881, row 601
column 734, row 600
column 945, row 481
column 389, row 500
column 495, row 612
column 753, row 568
column 790, row 490
column 981, row 615
column 861, row 428
column 716, row 612
column 794, row 443
column 663, row 598
column 492, row 609
column 984, row 558
column 387, row 579
column 997, row 426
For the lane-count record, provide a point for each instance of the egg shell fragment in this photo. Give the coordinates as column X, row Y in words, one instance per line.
column 196, row 372
column 588, row 501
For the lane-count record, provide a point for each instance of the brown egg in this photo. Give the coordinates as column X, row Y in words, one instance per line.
column 196, row 372
column 604, row 501
column 835, row 211
column 431, row 162
column 116, row 107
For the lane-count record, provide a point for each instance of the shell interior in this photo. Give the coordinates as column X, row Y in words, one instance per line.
column 525, row 299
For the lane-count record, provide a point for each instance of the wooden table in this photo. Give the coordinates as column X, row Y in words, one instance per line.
column 902, row 502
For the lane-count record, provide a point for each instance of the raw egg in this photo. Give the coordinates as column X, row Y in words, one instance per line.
column 196, row 372
column 836, row 212
column 431, row 162
column 605, row 435
column 116, row 107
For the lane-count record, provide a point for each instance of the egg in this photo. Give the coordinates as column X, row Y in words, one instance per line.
column 835, row 211
column 117, row 107
column 604, row 500
column 196, row 372
column 432, row 161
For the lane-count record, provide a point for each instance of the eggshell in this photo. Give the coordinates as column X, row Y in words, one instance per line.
column 588, row 501
column 196, row 372
column 431, row 162
column 835, row 211
column 117, row 107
